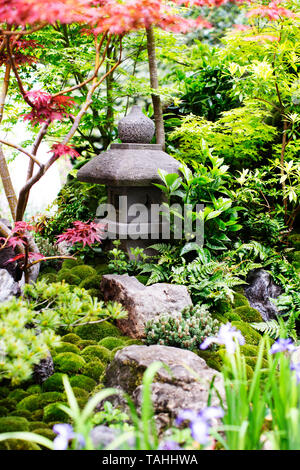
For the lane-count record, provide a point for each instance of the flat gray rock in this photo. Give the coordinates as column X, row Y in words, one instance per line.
column 187, row 386
column 143, row 303
column 8, row 287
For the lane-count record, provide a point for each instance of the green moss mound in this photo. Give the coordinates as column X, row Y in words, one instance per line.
column 17, row 444
column 18, row 394
column 111, row 342
column 4, row 391
column 8, row 403
column 13, row 424
column 69, row 278
column 248, row 314
column 54, row 383
column 251, row 336
column 83, row 272
column 240, row 300
column 23, row 413
column 32, row 389
column 294, row 240
column 3, row 411
column 70, row 263
column 37, row 415
column 90, row 352
column 91, row 282
column 102, row 268
column 38, row 401
column 83, row 382
column 68, row 363
column 86, row 342
column 232, row 315
column 71, row 338
column 46, row 432
column 52, row 412
column 94, row 369
column 212, row 358
column 97, row 331
column 49, row 277
column 67, row 347
column 37, row 425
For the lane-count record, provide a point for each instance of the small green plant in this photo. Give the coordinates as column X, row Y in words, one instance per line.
column 186, row 330
column 120, row 262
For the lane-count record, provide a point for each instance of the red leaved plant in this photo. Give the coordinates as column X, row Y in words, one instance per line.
column 86, row 233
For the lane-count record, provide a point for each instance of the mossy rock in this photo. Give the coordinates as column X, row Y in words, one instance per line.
column 90, row 352
column 91, row 282
column 110, row 342
column 68, row 363
column 71, row 338
column 97, row 331
column 130, row 342
column 212, row 358
column 3, row 411
column 13, row 424
column 45, row 432
column 240, row 300
column 94, row 369
column 251, row 336
column 80, row 393
column 18, row 394
column 294, row 240
column 70, row 263
column 54, row 383
column 86, row 342
column 83, row 271
column 69, row 278
column 248, row 314
column 37, row 425
column 38, row 401
column 67, row 347
column 8, row 403
column 4, row 391
column 83, row 382
column 32, row 389
column 52, row 412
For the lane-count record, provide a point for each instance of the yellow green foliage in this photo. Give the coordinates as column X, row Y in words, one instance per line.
column 68, row 363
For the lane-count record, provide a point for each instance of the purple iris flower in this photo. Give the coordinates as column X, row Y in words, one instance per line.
column 65, row 434
column 200, row 423
column 296, row 368
column 170, row 445
column 227, row 336
column 282, row 345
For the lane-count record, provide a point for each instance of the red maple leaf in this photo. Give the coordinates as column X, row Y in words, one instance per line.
column 31, row 257
column 46, row 107
column 61, row 149
column 86, row 233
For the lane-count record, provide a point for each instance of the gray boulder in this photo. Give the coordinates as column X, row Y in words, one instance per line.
column 187, row 386
column 8, row 287
column 143, row 303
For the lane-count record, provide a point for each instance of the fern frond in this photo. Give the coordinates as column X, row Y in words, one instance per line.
column 271, row 328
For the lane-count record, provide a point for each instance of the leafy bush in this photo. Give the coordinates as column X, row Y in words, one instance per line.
column 186, row 330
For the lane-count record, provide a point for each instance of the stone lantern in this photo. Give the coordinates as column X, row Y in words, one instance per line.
column 129, row 170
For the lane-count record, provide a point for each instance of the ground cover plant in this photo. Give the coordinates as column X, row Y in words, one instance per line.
column 221, row 81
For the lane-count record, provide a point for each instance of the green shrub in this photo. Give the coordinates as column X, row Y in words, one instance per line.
column 83, row 271
column 68, row 277
column 248, row 314
column 111, row 342
column 67, row 347
column 54, row 383
column 91, row 282
column 3, row 411
column 70, row 263
column 91, row 352
column 83, row 382
column 71, row 338
column 13, row 424
column 94, row 369
column 52, row 412
column 251, row 336
column 97, row 331
column 36, row 402
column 68, row 363
column 186, row 330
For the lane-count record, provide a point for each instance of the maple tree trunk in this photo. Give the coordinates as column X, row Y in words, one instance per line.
column 4, row 173
column 157, row 106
